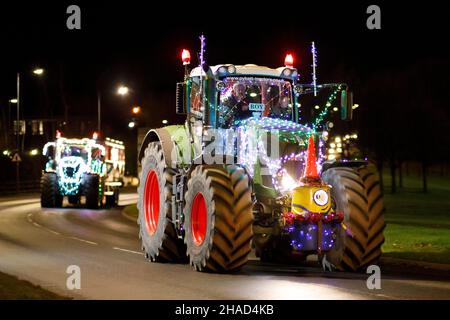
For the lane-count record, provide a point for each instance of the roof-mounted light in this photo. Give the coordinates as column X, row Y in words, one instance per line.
column 95, row 135
column 58, row 134
column 186, row 57
column 289, row 61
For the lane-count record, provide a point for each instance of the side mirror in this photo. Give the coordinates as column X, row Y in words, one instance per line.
column 49, row 150
column 180, row 98
column 346, row 105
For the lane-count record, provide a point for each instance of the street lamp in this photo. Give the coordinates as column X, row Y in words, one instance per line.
column 38, row 71
column 136, row 109
column 131, row 124
column 123, row 90
column 13, row 100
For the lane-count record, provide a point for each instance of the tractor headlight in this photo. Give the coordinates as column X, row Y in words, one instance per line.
column 320, row 197
column 231, row 69
column 287, row 72
column 220, row 86
column 222, row 70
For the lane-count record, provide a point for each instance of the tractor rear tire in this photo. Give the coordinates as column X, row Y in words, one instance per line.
column 160, row 241
column 50, row 196
column 375, row 240
column 218, row 218
column 356, row 193
column 92, row 191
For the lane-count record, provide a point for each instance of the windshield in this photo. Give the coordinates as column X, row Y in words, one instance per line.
column 242, row 98
column 74, row 151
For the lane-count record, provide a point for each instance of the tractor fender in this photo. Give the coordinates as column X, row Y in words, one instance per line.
column 343, row 164
column 173, row 141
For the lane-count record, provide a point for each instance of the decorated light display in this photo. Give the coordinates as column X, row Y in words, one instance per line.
column 318, row 121
column 314, row 65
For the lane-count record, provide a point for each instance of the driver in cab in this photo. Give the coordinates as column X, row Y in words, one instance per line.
column 237, row 103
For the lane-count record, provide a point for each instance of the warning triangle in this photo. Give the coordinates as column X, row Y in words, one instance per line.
column 16, row 158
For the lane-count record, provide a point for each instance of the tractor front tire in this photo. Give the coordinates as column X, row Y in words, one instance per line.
column 218, row 218
column 357, row 193
column 92, row 191
column 160, row 241
column 50, row 195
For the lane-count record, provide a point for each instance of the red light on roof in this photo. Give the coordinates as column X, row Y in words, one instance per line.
column 186, row 57
column 289, row 61
column 58, row 134
column 95, row 136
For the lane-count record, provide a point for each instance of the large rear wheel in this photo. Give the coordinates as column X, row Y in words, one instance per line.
column 218, row 218
column 357, row 193
column 159, row 238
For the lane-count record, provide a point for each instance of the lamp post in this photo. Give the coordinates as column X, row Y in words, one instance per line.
column 122, row 90
column 17, row 100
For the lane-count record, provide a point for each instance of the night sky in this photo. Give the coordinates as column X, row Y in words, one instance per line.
column 139, row 44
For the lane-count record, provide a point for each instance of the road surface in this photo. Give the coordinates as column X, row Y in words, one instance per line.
column 39, row 244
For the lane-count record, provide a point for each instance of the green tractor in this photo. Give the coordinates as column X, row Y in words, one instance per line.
column 243, row 173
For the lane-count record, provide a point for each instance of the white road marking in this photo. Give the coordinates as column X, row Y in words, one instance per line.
column 130, row 251
column 85, row 241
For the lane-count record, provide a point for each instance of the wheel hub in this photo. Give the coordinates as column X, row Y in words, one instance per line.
column 151, row 202
column 198, row 219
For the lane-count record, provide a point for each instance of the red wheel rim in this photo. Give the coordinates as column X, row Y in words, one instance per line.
column 151, row 202
column 198, row 219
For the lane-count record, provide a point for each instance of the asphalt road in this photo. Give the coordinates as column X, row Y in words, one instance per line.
column 39, row 244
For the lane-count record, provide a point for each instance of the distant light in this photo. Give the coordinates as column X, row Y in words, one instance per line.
column 331, row 157
column 38, row 71
column 6, row 152
column 355, row 136
column 339, row 150
column 186, row 57
column 333, row 145
column 122, row 90
column 337, row 139
column 289, row 61
column 316, row 107
column 165, row 121
column 95, row 135
column 328, row 104
column 355, row 106
column 331, row 151
column 34, row 152
column 335, row 109
column 131, row 124
column 339, row 145
column 13, row 100
column 136, row 109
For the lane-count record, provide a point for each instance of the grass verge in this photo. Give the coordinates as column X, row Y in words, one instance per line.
column 131, row 211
